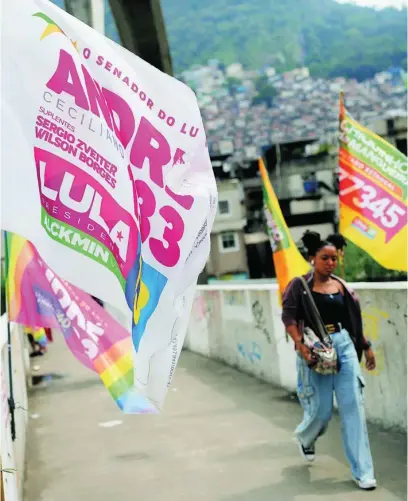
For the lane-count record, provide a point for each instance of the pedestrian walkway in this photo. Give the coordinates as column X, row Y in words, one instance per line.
column 223, row 436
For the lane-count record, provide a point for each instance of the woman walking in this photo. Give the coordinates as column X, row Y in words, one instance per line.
column 340, row 313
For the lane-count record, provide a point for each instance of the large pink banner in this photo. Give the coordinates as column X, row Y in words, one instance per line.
column 39, row 298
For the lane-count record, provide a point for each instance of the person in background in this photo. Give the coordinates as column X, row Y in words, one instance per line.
column 34, row 333
column 48, row 333
column 340, row 311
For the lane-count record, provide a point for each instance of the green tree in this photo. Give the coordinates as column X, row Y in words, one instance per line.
column 330, row 38
column 265, row 92
column 233, row 84
column 360, row 266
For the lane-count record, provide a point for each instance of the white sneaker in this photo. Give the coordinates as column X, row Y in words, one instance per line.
column 368, row 484
column 308, row 453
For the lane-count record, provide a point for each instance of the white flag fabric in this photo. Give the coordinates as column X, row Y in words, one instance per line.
column 105, row 169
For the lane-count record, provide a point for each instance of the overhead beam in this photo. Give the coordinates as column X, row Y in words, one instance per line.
column 81, row 9
column 140, row 24
column 142, row 31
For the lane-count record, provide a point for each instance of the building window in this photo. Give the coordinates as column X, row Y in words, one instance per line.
column 224, row 207
column 229, row 242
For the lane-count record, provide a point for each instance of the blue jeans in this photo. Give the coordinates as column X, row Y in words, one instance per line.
column 315, row 393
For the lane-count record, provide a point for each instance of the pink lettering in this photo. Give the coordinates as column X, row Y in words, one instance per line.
column 89, row 207
column 143, row 148
column 186, row 201
column 147, row 203
column 193, row 131
column 126, row 127
column 169, row 254
column 66, row 79
column 96, row 99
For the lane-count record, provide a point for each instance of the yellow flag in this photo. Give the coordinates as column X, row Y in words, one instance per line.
column 289, row 262
column 373, row 193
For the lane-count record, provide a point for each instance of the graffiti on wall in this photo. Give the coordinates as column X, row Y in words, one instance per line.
column 204, row 306
column 200, row 308
column 234, row 298
column 251, row 351
column 372, row 320
column 260, row 321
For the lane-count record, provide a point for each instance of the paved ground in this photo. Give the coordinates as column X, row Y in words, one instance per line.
column 224, row 436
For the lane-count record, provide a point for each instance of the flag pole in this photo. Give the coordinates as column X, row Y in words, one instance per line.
column 340, row 255
column 11, row 402
column 340, row 252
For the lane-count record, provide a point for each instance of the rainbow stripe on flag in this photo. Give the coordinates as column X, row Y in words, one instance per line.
column 289, row 262
column 40, row 337
column 38, row 334
column 38, row 297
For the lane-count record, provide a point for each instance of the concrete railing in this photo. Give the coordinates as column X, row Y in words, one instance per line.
column 240, row 325
column 13, row 452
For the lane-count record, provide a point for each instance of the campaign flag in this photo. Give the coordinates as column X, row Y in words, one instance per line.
column 373, row 193
column 38, row 334
column 106, row 171
column 288, row 261
column 39, row 298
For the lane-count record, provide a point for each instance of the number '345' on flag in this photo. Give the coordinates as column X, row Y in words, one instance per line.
column 373, row 193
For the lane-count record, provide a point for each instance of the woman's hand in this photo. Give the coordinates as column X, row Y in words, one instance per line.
column 370, row 359
column 306, row 354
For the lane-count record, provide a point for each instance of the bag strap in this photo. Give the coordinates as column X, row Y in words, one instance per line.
column 322, row 334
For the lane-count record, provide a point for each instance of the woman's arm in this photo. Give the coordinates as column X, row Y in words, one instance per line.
column 290, row 303
column 297, row 337
column 290, row 310
column 368, row 351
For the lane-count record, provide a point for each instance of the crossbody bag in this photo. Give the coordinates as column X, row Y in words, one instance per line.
column 319, row 343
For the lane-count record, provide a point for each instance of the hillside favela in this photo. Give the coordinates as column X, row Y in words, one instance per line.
column 204, row 250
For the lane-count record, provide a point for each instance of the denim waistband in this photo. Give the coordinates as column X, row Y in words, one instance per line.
column 334, row 328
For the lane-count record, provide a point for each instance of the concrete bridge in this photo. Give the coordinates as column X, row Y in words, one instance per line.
column 224, row 435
